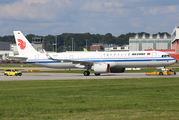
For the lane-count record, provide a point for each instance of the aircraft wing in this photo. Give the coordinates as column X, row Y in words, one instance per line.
column 82, row 62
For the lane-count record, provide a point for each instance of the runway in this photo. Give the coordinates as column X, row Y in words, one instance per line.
column 77, row 76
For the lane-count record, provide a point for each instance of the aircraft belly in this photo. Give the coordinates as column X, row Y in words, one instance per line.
column 143, row 64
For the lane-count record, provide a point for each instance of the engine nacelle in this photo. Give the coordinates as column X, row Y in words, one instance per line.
column 101, row 68
column 117, row 70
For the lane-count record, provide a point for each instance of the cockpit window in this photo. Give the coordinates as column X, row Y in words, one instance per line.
column 165, row 56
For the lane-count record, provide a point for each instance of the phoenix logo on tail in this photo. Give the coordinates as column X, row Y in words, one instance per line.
column 21, row 44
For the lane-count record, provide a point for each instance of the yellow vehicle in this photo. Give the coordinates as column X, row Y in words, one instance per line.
column 164, row 72
column 11, row 72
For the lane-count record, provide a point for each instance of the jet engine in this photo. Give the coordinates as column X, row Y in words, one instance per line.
column 117, row 70
column 101, row 68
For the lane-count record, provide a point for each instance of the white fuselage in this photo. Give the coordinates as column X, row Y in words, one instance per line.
column 99, row 62
column 115, row 59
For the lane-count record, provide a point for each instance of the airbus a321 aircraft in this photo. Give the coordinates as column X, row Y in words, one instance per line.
column 99, row 62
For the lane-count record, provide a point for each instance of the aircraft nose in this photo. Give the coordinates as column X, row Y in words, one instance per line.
column 173, row 61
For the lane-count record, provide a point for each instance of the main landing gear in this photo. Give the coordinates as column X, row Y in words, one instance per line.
column 86, row 73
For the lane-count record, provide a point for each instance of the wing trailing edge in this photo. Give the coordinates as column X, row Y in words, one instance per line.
column 82, row 62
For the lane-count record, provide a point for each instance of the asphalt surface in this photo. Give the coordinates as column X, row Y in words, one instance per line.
column 76, row 76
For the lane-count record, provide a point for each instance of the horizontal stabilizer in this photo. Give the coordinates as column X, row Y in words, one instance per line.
column 17, row 58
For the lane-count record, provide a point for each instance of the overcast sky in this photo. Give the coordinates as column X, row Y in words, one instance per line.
column 44, row 17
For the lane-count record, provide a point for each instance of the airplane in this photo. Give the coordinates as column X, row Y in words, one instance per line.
column 99, row 62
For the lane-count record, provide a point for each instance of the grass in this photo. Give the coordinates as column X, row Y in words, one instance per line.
column 146, row 70
column 113, row 99
column 17, row 65
column 81, row 71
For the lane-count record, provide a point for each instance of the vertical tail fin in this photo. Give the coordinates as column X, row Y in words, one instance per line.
column 23, row 45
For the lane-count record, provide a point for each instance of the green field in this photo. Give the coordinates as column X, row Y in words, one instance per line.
column 81, row 71
column 17, row 65
column 113, row 99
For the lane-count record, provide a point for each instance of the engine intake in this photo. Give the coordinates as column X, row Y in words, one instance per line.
column 101, row 68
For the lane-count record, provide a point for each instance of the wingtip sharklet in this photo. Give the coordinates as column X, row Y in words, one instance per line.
column 48, row 56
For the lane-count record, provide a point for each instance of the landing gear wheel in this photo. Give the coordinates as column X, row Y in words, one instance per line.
column 86, row 73
column 161, row 73
column 97, row 74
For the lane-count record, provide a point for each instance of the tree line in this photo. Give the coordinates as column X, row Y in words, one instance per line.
column 64, row 41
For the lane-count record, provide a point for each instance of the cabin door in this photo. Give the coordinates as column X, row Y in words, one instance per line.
column 154, row 54
column 37, row 58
